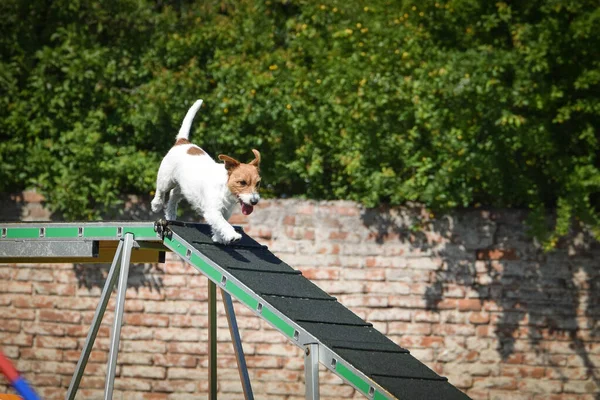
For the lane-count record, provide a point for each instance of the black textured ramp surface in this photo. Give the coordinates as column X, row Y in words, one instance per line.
column 420, row 389
column 253, row 258
column 201, row 233
column 310, row 310
column 352, row 339
column 399, row 365
column 277, row 284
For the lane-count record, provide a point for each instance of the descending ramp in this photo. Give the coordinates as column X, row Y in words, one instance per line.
column 348, row 346
column 310, row 318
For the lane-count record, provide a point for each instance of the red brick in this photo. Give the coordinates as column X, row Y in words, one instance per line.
column 501, row 383
column 51, row 393
column 432, row 341
column 479, row 318
column 469, row 305
column 72, row 317
column 185, row 321
column 59, row 289
column 56, row 342
column 7, row 325
column 409, row 328
column 497, row 254
column 426, row 316
column 178, row 334
column 53, row 367
column 395, row 288
column 41, row 354
column 96, row 356
column 34, row 302
column 174, row 385
column 139, row 371
column 175, row 360
column 145, row 293
column 321, row 273
column 18, row 313
column 289, row 220
column 187, row 348
column 146, row 319
column 144, row 346
column 176, row 293
column 16, row 287
column 39, row 380
column 133, row 358
column 446, row 304
column 30, row 274
column 523, row 371
column 338, row 235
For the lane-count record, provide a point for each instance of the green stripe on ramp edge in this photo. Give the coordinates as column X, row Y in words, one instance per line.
column 22, row 233
column 379, row 396
column 62, row 232
column 181, row 249
column 206, row 268
column 176, row 246
column 241, row 295
column 352, row 378
column 100, row 231
column 278, row 322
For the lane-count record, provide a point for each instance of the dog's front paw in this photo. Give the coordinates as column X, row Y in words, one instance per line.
column 157, row 205
column 227, row 238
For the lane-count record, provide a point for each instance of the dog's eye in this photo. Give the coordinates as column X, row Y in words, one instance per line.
column 243, row 183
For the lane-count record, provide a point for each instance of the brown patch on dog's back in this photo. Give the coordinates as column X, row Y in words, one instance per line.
column 195, row 151
column 182, row 141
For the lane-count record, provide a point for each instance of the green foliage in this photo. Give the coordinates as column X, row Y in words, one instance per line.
column 450, row 103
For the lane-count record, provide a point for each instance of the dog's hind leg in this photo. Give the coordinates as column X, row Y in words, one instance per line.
column 174, row 198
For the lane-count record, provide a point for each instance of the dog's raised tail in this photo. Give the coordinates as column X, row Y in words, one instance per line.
column 184, row 131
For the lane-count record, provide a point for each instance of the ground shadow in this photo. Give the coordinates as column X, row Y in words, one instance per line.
column 148, row 276
column 539, row 295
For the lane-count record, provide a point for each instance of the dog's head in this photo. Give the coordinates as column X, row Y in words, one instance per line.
column 244, row 180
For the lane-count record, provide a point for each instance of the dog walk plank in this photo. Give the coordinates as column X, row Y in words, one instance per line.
column 358, row 353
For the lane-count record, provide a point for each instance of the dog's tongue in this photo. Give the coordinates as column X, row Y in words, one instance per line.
column 246, row 209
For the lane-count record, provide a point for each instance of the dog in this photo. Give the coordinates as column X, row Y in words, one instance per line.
column 212, row 189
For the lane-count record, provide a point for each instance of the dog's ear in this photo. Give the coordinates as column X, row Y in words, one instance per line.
column 230, row 163
column 256, row 161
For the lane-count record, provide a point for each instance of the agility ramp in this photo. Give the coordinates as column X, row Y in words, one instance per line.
column 311, row 319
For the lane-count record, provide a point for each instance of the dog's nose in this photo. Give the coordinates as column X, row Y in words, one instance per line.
column 254, row 202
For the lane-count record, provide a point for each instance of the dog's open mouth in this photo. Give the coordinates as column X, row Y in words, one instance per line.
column 246, row 208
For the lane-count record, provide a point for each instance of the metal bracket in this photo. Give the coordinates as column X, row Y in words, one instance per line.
column 160, row 227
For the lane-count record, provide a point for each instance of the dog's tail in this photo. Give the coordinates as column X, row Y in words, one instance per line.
column 184, row 131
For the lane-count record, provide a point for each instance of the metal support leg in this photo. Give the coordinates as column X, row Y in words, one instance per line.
column 111, row 279
column 212, row 340
column 237, row 345
column 311, row 371
column 116, row 329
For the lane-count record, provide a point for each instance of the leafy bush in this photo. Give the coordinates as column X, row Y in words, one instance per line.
column 450, row 103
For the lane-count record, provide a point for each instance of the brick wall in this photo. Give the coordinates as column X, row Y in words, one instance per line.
column 468, row 293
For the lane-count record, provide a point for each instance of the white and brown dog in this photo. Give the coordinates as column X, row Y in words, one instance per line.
column 211, row 188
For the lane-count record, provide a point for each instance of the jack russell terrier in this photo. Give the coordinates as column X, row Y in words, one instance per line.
column 211, row 188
